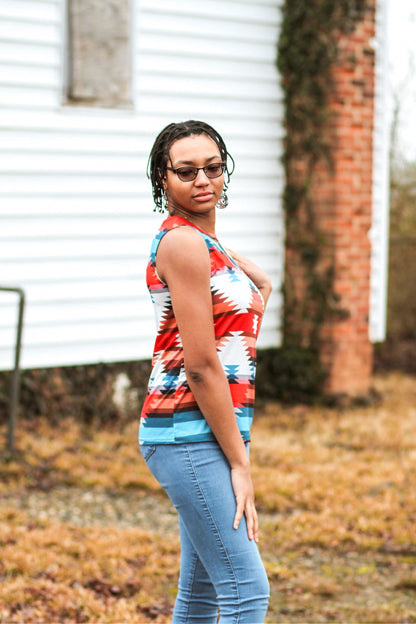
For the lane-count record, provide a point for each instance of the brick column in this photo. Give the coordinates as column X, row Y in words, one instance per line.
column 344, row 210
column 337, row 223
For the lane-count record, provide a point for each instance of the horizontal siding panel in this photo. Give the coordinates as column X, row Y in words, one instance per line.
column 50, row 337
column 74, row 333
column 134, row 309
column 102, row 206
column 117, row 350
column 31, row 270
column 144, row 127
column 21, row 97
column 88, row 248
column 260, row 5
column 78, row 119
column 68, row 183
column 84, row 290
column 247, row 148
column 240, row 30
column 208, row 107
column 244, row 185
column 269, row 129
column 43, row 77
column 71, row 353
column 231, row 11
column 70, row 142
column 229, row 89
column 46, row 55
column 29, row 31
column 206, row 48
column 56, row 163
column 149, row 64
column 268, row 336
column 249, row 245
column 75, row 228
column 257, row 167
column 269, row 319
column 232, row 232
column 114, row 320
column 30, row 10
column 268, row 224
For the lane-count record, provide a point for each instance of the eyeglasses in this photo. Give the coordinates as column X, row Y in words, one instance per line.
column 187, row 174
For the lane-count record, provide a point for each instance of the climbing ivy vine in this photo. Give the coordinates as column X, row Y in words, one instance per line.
column 307, row 52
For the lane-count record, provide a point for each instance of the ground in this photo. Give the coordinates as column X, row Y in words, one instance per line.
column 86, row 535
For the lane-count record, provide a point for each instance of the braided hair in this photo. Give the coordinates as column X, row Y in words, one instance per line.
column 159, row 154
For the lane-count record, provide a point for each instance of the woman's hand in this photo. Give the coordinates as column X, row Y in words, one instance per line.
column 254, row 272
column 244, row 496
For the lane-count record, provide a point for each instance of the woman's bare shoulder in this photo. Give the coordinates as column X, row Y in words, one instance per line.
column 184, row 250
column 182, row 239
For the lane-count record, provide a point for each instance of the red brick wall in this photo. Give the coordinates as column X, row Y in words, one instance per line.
column 342, row 211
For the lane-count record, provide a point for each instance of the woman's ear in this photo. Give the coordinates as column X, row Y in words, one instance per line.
column 164, row 181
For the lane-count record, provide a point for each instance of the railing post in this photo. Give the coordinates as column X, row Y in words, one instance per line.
column 15, row 383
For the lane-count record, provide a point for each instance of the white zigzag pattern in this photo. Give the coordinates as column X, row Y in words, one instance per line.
column 236, row 291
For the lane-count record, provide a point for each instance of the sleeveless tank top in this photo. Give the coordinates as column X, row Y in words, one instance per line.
column 170, row 414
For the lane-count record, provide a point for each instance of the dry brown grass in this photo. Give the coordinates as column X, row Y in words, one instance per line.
column 335, row 489
column 60, row 573
column 346, row 476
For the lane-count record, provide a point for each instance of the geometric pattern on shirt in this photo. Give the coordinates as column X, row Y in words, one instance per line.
column 170, row 413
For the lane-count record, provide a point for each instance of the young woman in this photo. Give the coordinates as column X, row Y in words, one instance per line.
column 195, row 422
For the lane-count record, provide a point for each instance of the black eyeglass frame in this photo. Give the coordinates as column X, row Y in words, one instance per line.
column 197, row 169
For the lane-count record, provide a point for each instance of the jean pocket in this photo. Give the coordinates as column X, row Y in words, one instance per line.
column 147, row 451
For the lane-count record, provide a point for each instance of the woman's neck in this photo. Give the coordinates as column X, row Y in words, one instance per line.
column 205, row 222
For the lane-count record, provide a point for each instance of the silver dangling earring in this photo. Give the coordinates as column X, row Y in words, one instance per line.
column 223, row 201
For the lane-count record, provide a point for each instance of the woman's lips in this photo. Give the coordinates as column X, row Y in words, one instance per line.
column 203, row 196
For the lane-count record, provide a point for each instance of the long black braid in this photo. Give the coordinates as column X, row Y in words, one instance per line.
column 159, row 155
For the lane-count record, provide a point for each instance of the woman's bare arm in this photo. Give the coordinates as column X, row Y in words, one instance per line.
column 183, row 263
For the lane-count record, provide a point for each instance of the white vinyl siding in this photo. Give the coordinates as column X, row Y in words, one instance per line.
column 76, row 215
column 380, row 221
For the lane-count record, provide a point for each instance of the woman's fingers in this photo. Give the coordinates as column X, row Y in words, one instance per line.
column 238, row 515
column 249, row 510
column 254, row 524
column 243, row 491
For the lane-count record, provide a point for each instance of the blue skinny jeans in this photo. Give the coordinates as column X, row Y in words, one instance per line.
column 221, row 568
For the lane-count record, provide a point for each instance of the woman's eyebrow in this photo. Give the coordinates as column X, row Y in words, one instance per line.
column 217, row 157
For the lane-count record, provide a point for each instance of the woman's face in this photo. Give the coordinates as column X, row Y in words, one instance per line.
column 198, row 196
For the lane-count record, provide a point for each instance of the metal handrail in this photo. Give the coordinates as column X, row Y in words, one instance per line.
column 15, row 384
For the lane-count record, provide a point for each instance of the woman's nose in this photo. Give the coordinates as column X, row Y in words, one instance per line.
column 201, row 177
